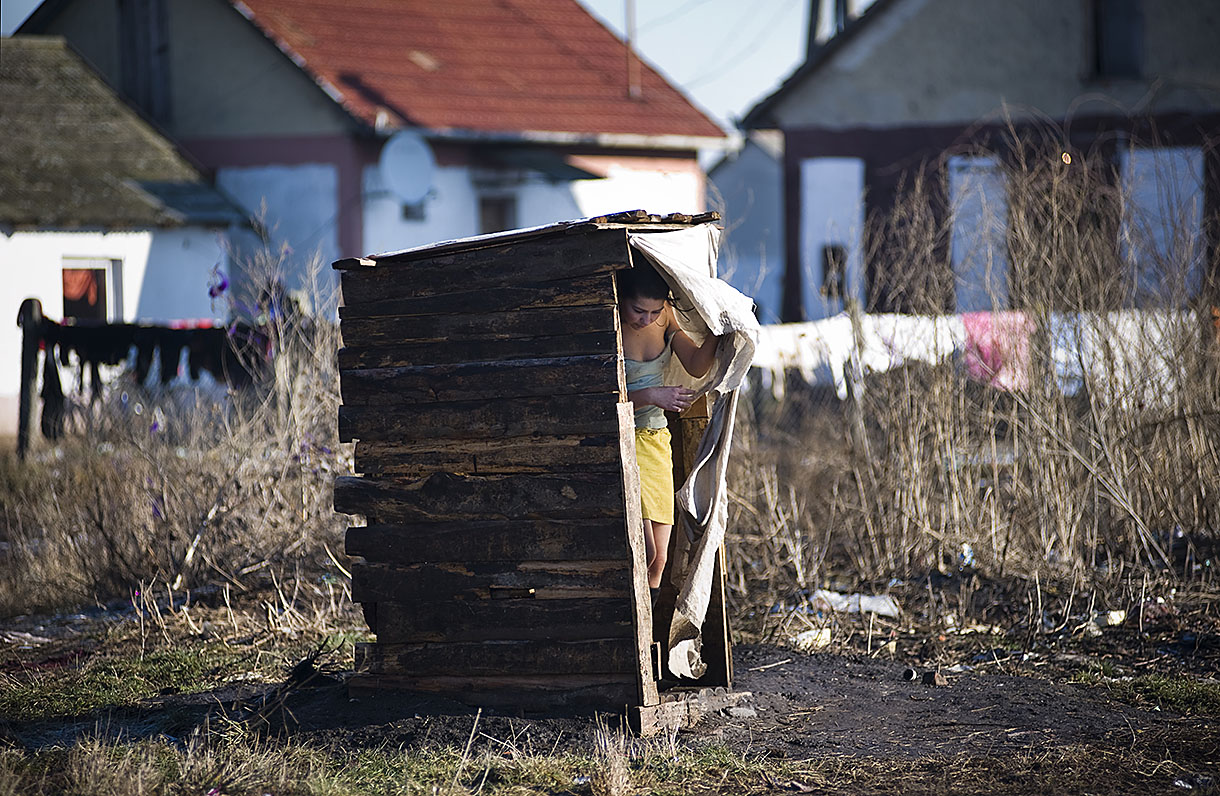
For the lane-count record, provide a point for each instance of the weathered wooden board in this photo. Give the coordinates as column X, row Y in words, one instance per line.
column 483, row 381
column 511, row 264
column 572, row 454
column 542, row 580
column 489, row 540
column 542, row 693
column 581, row 291
column 682, row 710
column 518, row 618
column 641, row 604
column 512, row 417
column 449, row 496
column 590, row 656
column 468, row 326
column 453, row 351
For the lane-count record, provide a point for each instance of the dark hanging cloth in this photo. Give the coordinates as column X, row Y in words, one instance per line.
column 52, row 396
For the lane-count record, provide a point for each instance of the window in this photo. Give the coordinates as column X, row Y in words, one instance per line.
column 497, row 213
column 92, row 289
column 1118, row 38
column 414, row 211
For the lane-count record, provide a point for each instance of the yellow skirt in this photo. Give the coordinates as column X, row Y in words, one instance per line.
column 652, row 453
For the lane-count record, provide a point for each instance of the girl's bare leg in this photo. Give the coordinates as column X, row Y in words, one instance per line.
column 649, row 547
column 657, row 540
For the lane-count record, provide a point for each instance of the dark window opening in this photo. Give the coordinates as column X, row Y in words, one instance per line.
column 1118, row 38
column 834, row 267
column 144, row 56
column 497, row 213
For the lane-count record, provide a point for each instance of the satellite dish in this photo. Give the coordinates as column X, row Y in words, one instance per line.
column 407, row 166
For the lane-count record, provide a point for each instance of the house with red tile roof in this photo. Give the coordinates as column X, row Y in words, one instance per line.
column 531, row 111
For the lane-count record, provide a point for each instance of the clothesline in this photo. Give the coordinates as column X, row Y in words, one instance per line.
column 1131, row 353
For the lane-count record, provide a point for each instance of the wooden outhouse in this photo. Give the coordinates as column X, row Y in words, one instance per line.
column 502, row 559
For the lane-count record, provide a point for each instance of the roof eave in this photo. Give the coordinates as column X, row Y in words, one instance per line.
column 684, row 143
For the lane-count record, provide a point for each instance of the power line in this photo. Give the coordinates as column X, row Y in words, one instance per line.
column 677, row 12
column 727, row 63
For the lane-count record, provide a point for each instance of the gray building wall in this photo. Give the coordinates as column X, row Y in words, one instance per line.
column 747, row 188
column 957, row 61
column 226, row 78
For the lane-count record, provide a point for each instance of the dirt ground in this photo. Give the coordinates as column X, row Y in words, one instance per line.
column 998, row 705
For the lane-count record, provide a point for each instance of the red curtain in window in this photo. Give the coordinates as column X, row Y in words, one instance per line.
column 80, row 284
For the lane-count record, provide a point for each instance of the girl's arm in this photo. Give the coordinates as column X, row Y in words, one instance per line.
column 697, row 359
column 671, row 399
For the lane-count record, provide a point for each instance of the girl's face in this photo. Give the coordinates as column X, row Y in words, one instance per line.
column 640, row 313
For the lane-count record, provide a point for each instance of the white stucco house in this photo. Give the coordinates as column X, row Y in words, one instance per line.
column 101, row 217
column 532, row 111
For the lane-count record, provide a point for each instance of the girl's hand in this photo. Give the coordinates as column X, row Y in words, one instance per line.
column 671, row 399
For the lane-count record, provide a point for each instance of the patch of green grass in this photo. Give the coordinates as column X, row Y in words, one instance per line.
column 111, row 682
column 1179, row 694
column 236, row 763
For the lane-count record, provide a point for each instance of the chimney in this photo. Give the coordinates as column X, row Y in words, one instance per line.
column 815, row 14
column 840, row 16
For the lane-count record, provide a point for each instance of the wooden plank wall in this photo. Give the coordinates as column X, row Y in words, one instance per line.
column 484, row 390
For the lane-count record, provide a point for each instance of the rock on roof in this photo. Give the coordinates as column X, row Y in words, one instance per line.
column 477, row 65
column 76, row 156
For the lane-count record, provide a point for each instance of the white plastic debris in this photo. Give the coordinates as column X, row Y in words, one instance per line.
column 1109, row 618
column 812, row 639
column 880, row 604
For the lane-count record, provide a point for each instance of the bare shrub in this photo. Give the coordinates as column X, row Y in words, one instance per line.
column 187, row 485
column 1101, row 464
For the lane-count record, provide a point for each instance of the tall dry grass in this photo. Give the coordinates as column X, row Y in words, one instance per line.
column 186, row 485
column 1106, row 466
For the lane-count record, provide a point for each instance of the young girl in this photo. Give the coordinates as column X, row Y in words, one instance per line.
column 650, row 336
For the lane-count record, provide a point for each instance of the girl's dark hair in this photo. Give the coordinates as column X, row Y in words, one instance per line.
column 642, row 281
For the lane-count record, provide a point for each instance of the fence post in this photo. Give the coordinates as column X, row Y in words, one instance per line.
column 29, row 318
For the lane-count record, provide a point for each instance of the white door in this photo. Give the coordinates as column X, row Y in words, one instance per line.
column 832, row 221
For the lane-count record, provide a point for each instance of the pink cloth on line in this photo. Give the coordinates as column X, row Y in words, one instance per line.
column 997, row 348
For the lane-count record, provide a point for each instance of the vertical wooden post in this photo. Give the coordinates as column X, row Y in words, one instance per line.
column 29, row 318
column 642, row 616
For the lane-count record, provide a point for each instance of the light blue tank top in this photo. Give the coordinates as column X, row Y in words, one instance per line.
column 649, row 373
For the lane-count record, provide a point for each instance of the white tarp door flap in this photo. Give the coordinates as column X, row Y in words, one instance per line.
column 706, row 305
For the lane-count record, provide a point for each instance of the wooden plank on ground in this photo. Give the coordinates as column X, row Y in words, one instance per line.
column 449, row 496
column 507, row 265
column 513, row 417
column 489, row 540
column 534, row 693
column 446, row 352
column 582, row 291
column 464, row 658
column 454, row 326
column 518, row 618
column 575, row 454
column 482, row 381
column 541, row 580
column 683, row 710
